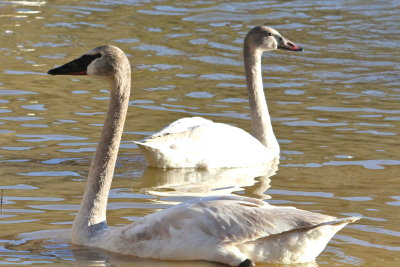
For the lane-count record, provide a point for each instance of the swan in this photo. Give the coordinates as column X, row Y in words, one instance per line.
column 201, row 143
column 233, row 230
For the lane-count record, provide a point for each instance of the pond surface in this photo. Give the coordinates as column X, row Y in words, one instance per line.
column 335, row 110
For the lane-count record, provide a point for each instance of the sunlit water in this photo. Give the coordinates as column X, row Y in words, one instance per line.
column 335, row 110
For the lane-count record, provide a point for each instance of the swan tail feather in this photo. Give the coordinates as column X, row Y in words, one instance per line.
column 153, row 154
column 341, row 221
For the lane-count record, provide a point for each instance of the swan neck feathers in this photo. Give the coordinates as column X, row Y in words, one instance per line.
column 92, row 213
column 260, row 119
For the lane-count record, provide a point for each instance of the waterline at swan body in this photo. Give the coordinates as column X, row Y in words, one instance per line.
column 232, row 230
column 200, row 143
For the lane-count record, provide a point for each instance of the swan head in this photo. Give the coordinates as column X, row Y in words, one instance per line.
column 104, row 61
column 265, row 38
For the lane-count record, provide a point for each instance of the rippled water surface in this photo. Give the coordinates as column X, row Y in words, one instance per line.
column 335, row 110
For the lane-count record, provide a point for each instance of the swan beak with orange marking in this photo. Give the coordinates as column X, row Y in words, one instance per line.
column 286, row 44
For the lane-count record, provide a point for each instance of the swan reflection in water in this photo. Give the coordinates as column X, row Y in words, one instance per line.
column 208, row 182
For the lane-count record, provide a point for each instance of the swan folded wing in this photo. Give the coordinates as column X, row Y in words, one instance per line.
column 236, row 221
column 226, row 220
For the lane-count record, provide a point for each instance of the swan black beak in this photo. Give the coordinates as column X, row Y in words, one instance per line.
column 286, row 44
column 75, row 67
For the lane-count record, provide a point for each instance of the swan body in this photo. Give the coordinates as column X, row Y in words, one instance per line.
column 230, row 229
column 200, row 143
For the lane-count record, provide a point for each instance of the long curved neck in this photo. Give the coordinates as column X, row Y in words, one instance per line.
column 260, row 120
column 91, row 217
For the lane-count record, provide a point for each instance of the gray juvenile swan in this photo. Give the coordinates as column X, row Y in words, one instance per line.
column 200, row 143
column 229, row 229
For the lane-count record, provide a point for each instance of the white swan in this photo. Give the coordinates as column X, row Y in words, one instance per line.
column 200, row 143
column 230, row 229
